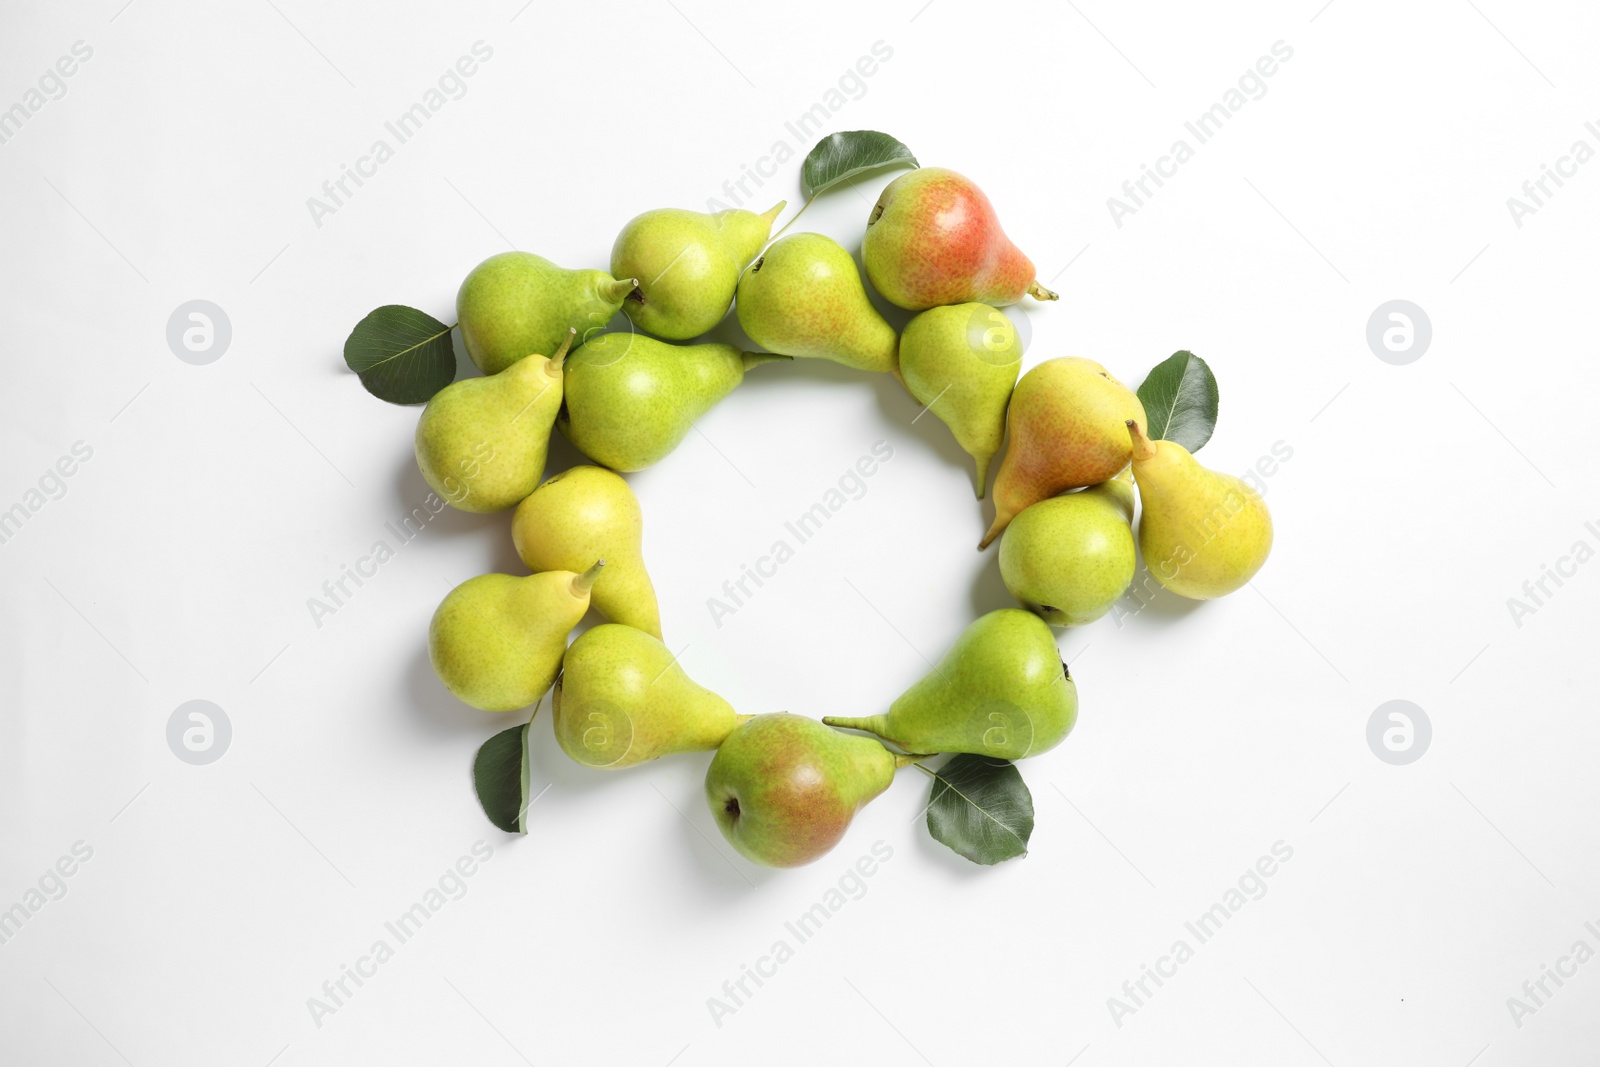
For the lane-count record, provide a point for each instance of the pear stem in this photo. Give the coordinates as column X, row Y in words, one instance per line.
column 791, row 222
column 771, row 214
column 616, row 290
column 1143, row 447
column 583, row 583
column 1039, row 292
column 553, row 367
column 980, row 474
column 755, row 359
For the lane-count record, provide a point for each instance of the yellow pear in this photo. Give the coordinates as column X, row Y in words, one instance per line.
column 589, row 513
column 497, row 640
column 1203, row 534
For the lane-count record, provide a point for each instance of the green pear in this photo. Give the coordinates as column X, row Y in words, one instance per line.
column 1001, row 691
column 590, row 513
column 496, row 640
column 517, row 303
column 961, row 363
column 804, row 297
column 783, row 788
column 1071, row 557
column 687, row 264
column 631, row 399
column 1067, row 422
column 1203, row 534
column 622, row 699
column 481, row 443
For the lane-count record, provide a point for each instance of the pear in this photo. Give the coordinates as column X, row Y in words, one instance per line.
column 804, row 297
column 783, row 788
column 590, row 513
column 961, row 363
column 1203, row 534
column 622, row 699
column 933, row 239
column 1001, row 691
column 517, row 303
column 496, row 641
column 687, row 264
column 1071, row 557
column 481, row 443
column 1068, row 429
column 631, row 399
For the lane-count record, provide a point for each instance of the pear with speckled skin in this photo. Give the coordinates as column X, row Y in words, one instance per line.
column 687, row 264
column 496, row 641
column 588, row 513
column 1067, row 422
column 631, row 400
column 804, row 298
column 482, row 442
column 622, row 699
column 1069, row 558
column 1001, row 691
column 783, row 788
column 1203, row 534
column 961, row 363
column 517, row 303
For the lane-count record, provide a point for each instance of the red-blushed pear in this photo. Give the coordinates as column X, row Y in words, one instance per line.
column 1068, row 424
column 783, row 788
column 933, row 239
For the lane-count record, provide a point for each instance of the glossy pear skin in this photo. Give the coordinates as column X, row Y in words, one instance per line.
column 1203, row 534
column 622, row 699
column 630, row 399
column 1071, row 557
column 589, row 513
column 517, row 303
column 804, row 298
column 481, row 443
column 496, row 641
column 961, row 363
column 783, row 788
column 1001, row 691
column 1068, row 425
column 933, row 239
column 688, row 264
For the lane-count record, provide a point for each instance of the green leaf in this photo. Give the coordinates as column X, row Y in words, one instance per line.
column 844, row 155
column 981, row 808
column 499, row 774
column 403, row 355
column 1180, row 400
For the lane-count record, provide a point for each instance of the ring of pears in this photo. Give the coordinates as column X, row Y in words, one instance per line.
column 783, row 788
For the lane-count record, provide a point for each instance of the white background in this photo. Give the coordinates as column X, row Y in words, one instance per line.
column 219, row 498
